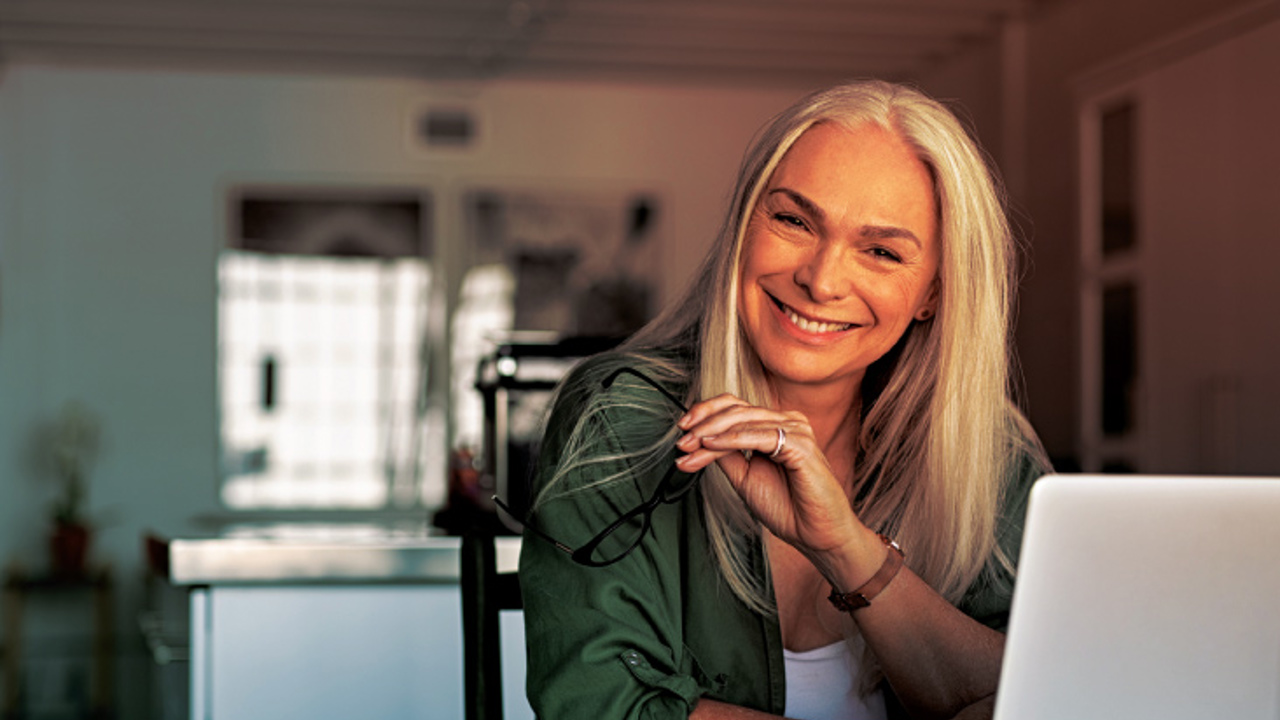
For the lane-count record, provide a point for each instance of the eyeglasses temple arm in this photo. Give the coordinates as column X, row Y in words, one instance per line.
column 531, row 527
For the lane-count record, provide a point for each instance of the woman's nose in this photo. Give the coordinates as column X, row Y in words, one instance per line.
column 826, row 276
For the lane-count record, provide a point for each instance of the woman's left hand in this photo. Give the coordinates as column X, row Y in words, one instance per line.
column 794, row 494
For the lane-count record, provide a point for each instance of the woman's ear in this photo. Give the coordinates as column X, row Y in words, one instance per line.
column 930, row 304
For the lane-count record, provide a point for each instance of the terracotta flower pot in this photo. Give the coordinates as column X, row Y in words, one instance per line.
column 69, row 549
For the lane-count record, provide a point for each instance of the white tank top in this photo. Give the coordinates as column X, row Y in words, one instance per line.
column 822, row 685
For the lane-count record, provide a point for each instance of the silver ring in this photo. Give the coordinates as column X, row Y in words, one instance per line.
column 782, row 442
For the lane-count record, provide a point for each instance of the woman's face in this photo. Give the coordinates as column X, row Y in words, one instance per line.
column 840, row 254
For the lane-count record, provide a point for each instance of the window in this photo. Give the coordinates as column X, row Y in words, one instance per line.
column 1119, row 179
column 327, row 327
column 1112, row 286
column 338, row 390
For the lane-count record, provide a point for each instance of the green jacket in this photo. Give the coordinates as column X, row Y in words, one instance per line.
column 649, row 635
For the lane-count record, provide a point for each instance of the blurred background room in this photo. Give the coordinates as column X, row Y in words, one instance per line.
column 270, row 269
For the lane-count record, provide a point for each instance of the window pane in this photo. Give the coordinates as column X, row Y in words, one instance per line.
column 1119, row 358
column 1119, row 174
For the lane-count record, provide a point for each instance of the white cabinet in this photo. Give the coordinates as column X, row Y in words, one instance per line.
column 326, row 651
column 290, row 630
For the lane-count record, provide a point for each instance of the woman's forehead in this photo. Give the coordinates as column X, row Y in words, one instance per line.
column 866, row 171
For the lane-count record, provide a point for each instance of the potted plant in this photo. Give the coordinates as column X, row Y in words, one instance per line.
column 66, row 448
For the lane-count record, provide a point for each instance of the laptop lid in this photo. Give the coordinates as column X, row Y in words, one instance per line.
column 1146, row 597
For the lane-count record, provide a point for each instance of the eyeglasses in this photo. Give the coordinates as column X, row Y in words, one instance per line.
column 624, row 534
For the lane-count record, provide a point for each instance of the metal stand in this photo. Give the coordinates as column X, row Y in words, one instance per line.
column 513, row 369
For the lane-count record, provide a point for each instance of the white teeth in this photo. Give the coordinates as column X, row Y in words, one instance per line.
column 814, row 326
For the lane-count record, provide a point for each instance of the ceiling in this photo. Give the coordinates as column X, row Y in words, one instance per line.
column 755, row 41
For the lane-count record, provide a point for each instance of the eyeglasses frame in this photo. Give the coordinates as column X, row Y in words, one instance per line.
column 582, row 555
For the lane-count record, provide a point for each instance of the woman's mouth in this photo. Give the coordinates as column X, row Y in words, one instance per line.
column 816, row 327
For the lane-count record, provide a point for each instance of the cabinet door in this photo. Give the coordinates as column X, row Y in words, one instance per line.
column 327, row 652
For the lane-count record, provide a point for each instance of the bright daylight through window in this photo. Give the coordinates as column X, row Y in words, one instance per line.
column 325, row 339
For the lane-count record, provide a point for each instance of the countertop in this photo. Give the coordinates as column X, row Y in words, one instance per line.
column 323, row 555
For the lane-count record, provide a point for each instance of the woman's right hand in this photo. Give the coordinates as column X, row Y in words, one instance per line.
column 794, row 494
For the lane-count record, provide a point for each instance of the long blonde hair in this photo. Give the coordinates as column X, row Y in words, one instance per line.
column 939, row 428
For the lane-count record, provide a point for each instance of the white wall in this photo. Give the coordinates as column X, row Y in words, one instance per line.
column 1065, row 41
column 112, row 190
column 1210, row 300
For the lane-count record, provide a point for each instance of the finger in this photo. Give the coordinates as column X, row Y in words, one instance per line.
column 703, row 457
column 701, row 410
column 760, row 438
column 775, row 439
column 734, row 416
column 733, row 450
column 711, row 417
column 734, row 427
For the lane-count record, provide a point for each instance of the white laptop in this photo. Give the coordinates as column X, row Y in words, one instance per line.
column 1146, row 597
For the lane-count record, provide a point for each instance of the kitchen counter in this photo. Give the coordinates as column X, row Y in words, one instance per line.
column 336, row 623
column 294, row 556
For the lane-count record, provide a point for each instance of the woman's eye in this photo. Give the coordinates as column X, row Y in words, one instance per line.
column 789, row 219
column 885, row 254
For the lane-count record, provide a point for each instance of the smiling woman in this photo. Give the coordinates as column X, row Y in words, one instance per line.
column 847, row 548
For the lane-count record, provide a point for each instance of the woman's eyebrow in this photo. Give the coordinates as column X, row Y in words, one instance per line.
column 870, row 232
column 807, row 205
column 887, row 232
